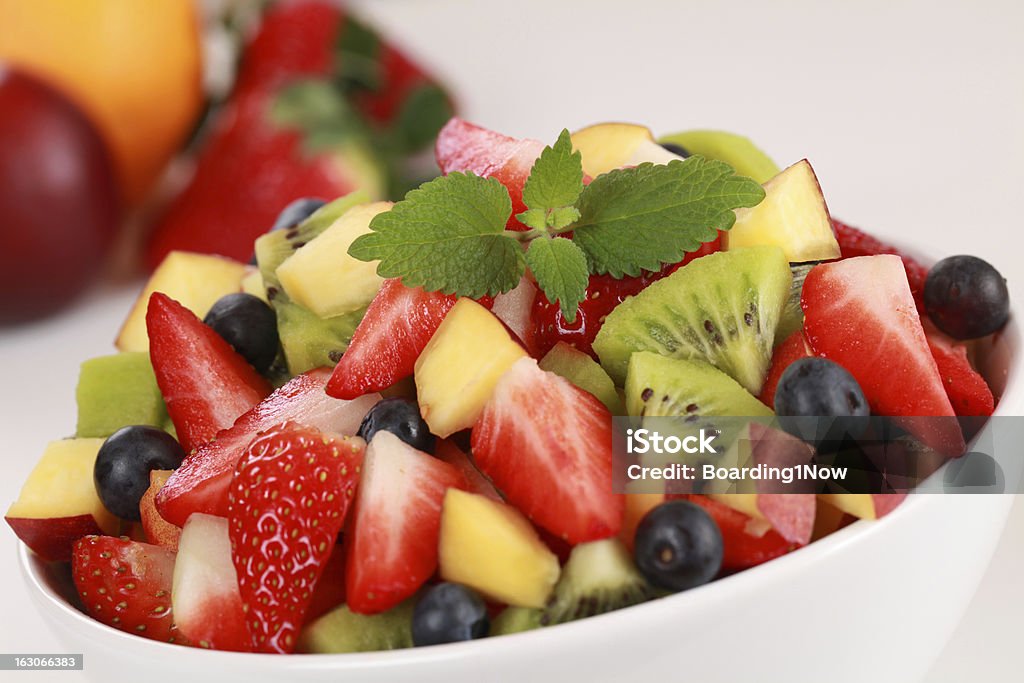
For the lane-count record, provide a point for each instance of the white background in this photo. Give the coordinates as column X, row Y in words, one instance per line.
column 910, row 112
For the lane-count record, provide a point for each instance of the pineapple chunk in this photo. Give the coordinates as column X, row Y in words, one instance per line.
column 793, row 216
column 252, row 283
column 322, row 276
column 457, row 371
column 195, row 280
column 491, row 547
column 607, row 146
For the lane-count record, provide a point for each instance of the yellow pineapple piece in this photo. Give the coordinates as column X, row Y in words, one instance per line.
column 321, row 275
column 253, row 284
column 607, row 146
column 492, row 548
column 793, row 215
column 457, row 371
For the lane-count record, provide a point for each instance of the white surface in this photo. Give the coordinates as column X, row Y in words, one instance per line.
column 909, row 111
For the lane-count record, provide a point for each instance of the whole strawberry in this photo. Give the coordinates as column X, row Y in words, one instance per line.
column 287, row 503
column 127, row 585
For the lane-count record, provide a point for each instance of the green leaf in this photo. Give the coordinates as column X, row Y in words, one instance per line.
column 560, row 268
column 639, row 218
column 533, row 218
column 556, row 178
column 447, row 236
column 357, row 57
column 563, row 217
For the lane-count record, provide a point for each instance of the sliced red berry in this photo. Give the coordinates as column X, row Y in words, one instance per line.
column 793, row 348
column 288, row 501
column 968, row 392
column 854, row 242
column 742, row 548
column 476, row 482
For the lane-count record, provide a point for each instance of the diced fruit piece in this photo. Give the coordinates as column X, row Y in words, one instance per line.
column 547, row 445
column 792, row 318
column 157, row 529
column 126, row 585
column 514, row 309
column 321, row 275
column 201, row 483
column 583, row 371
column 827, row 520
column 252, row 283
column 492, row 548
column 205, row 383
column 457, row 371
column 194, row 280
column 342, row 630
column 966, row 297
column 607, row 146
column 742, row 547
column 330, row 589
column 476, row 482
column 204, row 593
column 637, row 505
column 735, row 150
column 599, row 577
column 449, row 613
column 288, row 501
column 860, row 313
column 854, row 242
column 678, row 546
column 392, row 537
column 792, row 349
column 58, row 503
column 249, row 325
column 123, row 464
column 396, row 328
column 793, row 215
column 118, row 390
column 401, row 417
column 967, row 390
column 515, row 620
column 463, row 146
column 722, row 308
column 658, row 386
column 865, row 505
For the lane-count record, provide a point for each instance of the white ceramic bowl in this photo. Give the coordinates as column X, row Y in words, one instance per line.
column 875, row 601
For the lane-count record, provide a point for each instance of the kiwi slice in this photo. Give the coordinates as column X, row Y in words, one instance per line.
column 599, row 577
column 735, row 150
column 342, row 630
column 116, row 391
column 515, row 620
column 722, row 308
column 792, row 318
column 579, row 368
column 307, row 340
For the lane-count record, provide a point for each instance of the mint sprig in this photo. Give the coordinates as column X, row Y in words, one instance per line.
column 449, row 235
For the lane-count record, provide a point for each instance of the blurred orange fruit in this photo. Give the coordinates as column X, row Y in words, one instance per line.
column 133, row 66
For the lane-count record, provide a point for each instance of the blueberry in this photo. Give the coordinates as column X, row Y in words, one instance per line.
column 402, row 418
column 814, row 388
column 293, row 214
column 678, row 546
column 249, row 325
column 678, row 150
column 966, row 297
column 121, row 472
column 449, row 613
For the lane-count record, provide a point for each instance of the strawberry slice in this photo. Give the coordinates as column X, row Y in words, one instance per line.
column 547, row 445
column 392, row 540
column 205, row 383
column 464, row 146
column 330, row 589
column 287, row 504
column 476, row 482
column 967, row 390
column 126, row 585
column 854, row 242
column 793, row 348
column 201, row 483
column 859, row 312
column 397, row 326
column 742, row 549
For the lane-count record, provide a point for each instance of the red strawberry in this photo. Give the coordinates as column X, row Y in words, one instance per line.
column 742, row 549
column 476, row 482
column 127, row 585
column 204, row 381
column 967, row 390
column 330, row 589
column 547, row 445
column 201, row 483
column 397, row 326
column 793, row 348
column 463, row 146
column 393, row 533
column 287, row 504
column 854, row 242
column 859, row 312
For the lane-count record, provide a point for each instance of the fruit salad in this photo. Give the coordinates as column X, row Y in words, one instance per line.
column 395, row 429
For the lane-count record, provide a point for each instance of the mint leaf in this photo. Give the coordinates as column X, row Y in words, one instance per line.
column 556, row 178
column 639, row 218
column 534, row 218
column 560, row 268
column 563, row 217
column 447, row 236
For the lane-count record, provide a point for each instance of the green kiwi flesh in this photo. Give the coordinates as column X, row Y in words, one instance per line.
column 342, row 630
column 735, row 150
column 116, row 391
column 579, row 368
